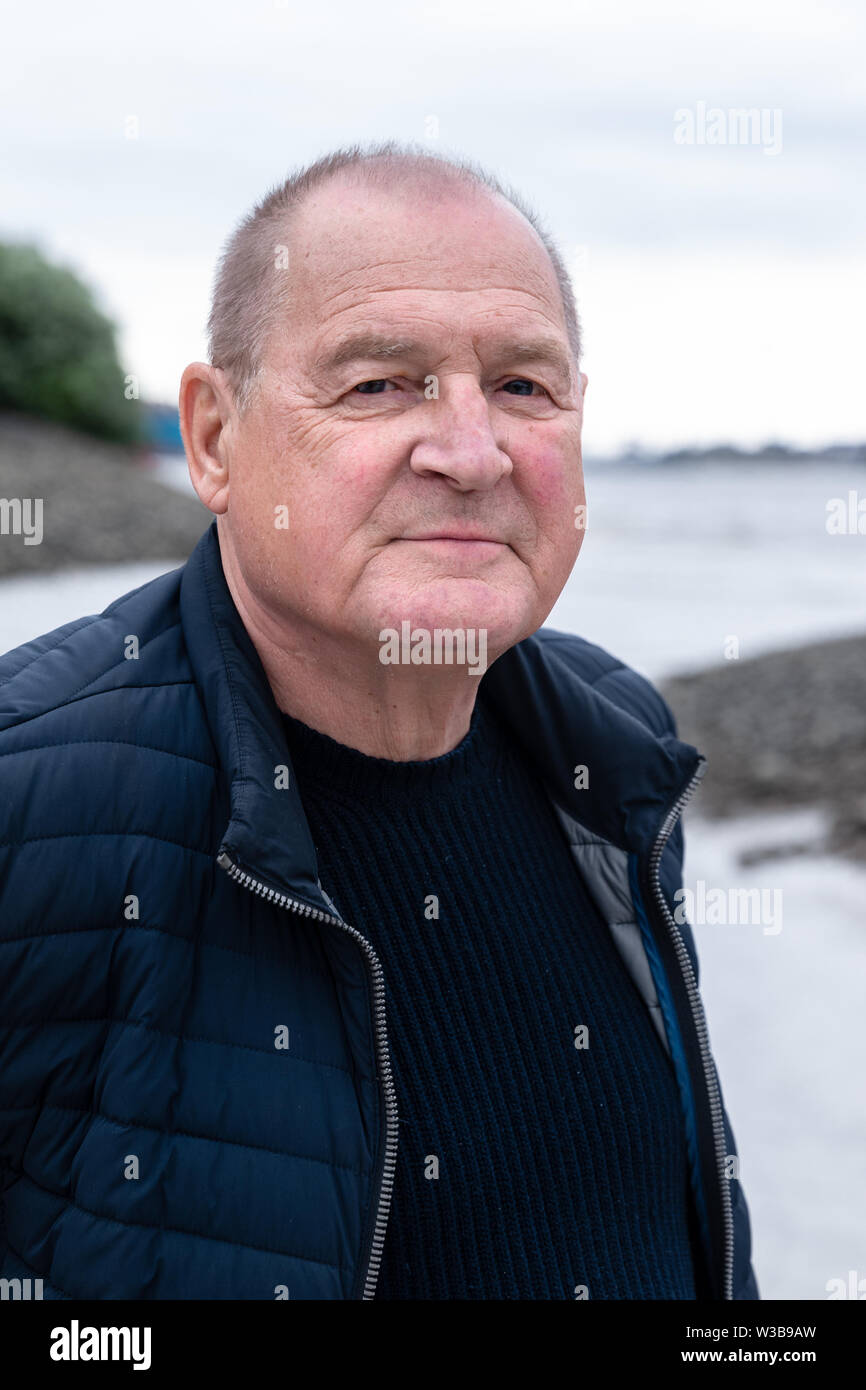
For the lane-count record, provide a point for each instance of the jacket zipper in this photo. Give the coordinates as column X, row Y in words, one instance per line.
column 386, row 1185
column 699, row 1020
column 391, row 1118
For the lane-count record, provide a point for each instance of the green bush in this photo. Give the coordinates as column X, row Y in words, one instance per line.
column 58, row 357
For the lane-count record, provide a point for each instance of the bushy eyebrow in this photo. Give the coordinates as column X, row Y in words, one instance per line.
column 380, row 347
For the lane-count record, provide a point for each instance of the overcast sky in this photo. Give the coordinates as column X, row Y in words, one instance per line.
column 722, row 287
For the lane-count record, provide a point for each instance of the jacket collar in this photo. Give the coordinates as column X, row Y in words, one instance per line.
column 552, row 713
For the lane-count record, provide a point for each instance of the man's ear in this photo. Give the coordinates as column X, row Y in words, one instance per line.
column 584, row 382
column 206, row 411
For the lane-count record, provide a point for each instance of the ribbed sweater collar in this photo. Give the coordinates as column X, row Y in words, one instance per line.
column 320, row 761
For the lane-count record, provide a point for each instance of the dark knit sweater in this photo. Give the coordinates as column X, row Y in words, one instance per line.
column 557, row 1166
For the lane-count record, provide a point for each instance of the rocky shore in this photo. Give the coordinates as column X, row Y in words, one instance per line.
column 100, row 503
column 781, row 731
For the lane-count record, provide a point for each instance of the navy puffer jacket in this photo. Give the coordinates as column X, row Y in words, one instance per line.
column 195, row 1090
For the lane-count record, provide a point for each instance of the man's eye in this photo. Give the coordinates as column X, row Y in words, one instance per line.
column 372, row 388
column 519, row 386
column 520, row 382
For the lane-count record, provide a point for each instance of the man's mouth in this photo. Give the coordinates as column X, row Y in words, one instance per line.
column 456, row 537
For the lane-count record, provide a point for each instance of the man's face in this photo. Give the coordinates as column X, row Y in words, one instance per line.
column 447, row 502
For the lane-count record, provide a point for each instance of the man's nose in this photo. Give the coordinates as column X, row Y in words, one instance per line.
column 458, row 439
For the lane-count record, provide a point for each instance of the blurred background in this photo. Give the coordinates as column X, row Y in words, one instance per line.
column 702, row 169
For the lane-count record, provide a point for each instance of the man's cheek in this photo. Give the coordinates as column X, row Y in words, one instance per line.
column 555, row 494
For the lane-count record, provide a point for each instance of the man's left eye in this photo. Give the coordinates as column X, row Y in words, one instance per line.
column 520, row 382
column 373, row 385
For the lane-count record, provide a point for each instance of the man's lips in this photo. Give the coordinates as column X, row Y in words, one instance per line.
column 461, row 537
column 459, row 549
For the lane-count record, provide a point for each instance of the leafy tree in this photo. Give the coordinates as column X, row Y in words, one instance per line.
column 58, row 357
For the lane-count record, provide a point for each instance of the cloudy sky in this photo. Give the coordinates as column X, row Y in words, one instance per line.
column 722, row 285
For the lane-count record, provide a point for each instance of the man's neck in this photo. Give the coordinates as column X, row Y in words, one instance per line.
column 402, row 718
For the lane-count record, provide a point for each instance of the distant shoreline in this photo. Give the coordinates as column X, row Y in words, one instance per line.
column 854, row 454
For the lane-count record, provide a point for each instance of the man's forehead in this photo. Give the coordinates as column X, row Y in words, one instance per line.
column 423, row 283
column 345, row 236
column 352, row 200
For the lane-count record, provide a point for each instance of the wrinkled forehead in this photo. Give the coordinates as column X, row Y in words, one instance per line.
column 353, row 247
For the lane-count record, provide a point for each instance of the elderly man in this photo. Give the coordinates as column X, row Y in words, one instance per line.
column 338, row 943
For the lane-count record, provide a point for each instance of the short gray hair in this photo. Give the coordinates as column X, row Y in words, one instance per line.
column 246, row 300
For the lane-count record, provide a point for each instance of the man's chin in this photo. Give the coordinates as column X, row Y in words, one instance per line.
column 484, row 616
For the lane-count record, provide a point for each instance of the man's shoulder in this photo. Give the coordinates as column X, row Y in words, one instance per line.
column 610, row 677
column 54, row 679
column 93, row 653
column 102, row 735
